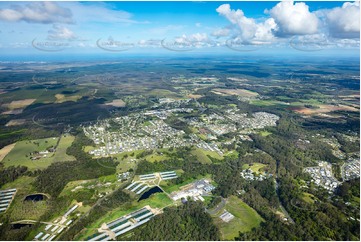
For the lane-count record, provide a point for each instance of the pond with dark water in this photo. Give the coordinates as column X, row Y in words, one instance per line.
column 150, row 192
column 35, row 197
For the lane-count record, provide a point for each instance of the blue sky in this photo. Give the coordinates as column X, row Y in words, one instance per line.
column 83, row 27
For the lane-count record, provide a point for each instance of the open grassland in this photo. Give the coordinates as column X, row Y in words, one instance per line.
column 255, row 167
column 20, row 154
column 126, row 160
column 202, row 155
column 237, row 92
column 6, row 150
column 245, row 218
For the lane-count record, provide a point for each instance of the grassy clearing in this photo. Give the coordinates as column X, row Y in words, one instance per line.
column 20, row 154
column 88, row 148
column 202, row 155
column 110, row 178
column 64, row 143
column 245, row 218
column 92, row 186
column 232, row 154
column 71, row 185
column 156, row 157
column 126, row 160
column 264, row 133
column 308, row 198
column 255, row 167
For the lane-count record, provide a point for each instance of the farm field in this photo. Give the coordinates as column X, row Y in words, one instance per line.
column 324, row 109
column 60, row 98
column 19, row 104
column 21, row 155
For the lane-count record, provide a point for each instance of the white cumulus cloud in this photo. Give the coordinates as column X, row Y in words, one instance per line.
column 294, row 19
column 37, row 12
column 248, row 30
column 344, row 22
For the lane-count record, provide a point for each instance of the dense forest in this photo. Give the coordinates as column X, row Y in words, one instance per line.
column 188, row 222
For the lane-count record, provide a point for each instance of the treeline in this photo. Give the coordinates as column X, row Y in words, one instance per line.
column 187, row 222
column 346, row 145
column 11, row 173
column 9, row 135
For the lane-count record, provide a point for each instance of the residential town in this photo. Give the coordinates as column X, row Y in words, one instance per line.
column 149, row 130
column 350, row 169
column 322, row 175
